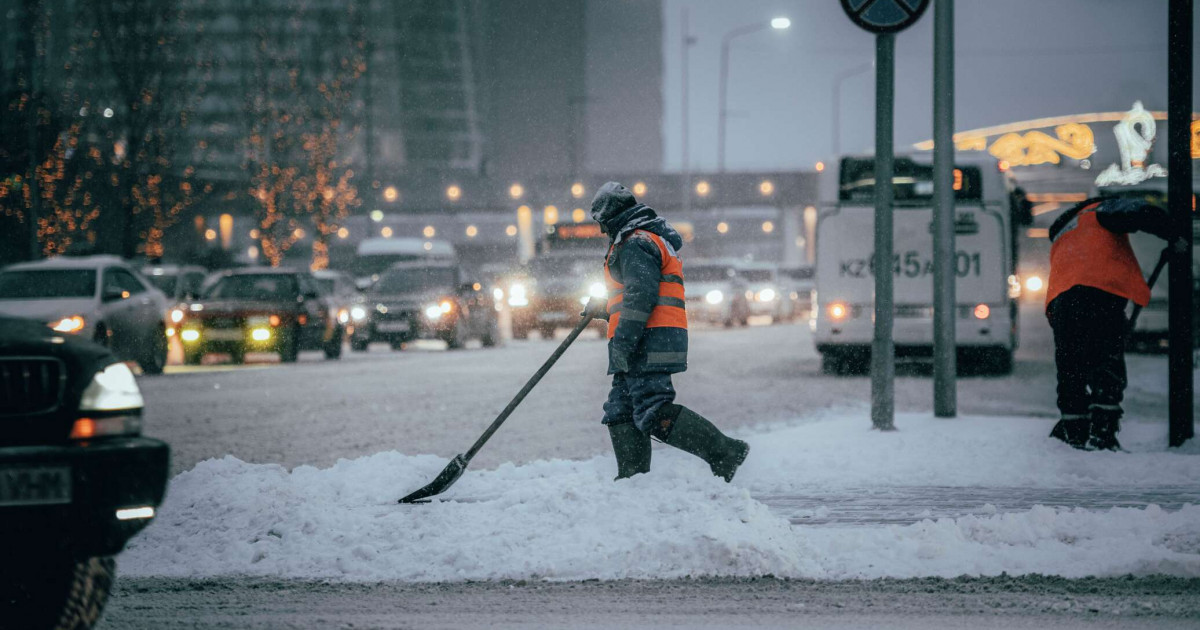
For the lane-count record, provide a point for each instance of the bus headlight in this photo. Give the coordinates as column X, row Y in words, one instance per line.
column 837, row 311
column 516, row 295
column 982, row 311
column 1034, row 283
column 714, row 297
column 71, row 324
column 766, row 295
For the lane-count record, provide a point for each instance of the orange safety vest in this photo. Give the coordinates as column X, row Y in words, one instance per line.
column 1089, row 255
column 670, row 310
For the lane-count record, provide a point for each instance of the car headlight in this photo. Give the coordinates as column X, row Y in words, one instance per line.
column 190, row 335
column 111, row 405
column 358, row 313
column 517, row 296
column 176, row 315
column 343, row 316
column 433, row 312
column 72, row 324
column 597, row 290
column 714, row 297
column 1033, row 284
column 766, row 295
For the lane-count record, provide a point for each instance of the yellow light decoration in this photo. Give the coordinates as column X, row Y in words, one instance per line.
column 768, row 227
column 343, row 232
column 550, row 215
column 702, row 188
column 639, row 189
column 722, row 227
column 1196, row 139
column 516, row 191
column 1074, row 141
column 511, row 230
column 386, row 232
column 429, row 231
column 577, row 190
column 453, row 193
column 472, row 231
column 578, row 215
column 390, row 194
column 767, row 188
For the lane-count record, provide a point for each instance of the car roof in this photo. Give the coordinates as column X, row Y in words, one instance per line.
column 330, row 273
column 424, row 264
column 262, row 271
column 170, row 270
column 72, row 262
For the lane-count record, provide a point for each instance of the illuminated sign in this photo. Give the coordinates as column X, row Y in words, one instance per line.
column 1023, row 144
column 583, row 230
column 1135, row 137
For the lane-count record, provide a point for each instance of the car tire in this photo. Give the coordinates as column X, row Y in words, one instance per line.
column 289, row 352
column 60, row 593
column 359, row 345
column 492, row 335
column 156, row 359
column 102, row 336
column 333, row 347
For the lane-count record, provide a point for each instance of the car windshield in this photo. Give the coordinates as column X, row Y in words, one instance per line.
column 47, row 284
column 325, row 285
column 415, row 279
column 254, row 287
column 165, row 283
column 756, row 275
column 707, row 274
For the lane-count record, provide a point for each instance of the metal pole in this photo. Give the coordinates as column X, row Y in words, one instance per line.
column 945, row 394
column 685, row 43
column 35, row 193
column 883, row 359
column 722, row 97
column 1179, row 194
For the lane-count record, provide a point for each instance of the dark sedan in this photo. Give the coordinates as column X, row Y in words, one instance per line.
column 77, row 479
column 427, row 300
column 261, row 310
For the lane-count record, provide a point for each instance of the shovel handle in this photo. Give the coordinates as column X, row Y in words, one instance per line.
column 1162, row 262
column 562, row 347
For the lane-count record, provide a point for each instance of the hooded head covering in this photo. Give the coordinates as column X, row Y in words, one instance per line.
column 609, row 204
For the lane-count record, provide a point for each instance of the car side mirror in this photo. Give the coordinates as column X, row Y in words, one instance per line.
column 111, row 294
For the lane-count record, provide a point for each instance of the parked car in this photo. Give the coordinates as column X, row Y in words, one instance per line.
column 716, row 294
column 77, row 478
column 553, row 291
column 427, row 300
column 99, row 298
column 180, row 283
column 259, row 309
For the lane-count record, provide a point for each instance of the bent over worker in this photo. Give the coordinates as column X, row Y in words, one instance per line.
column 1093, row 276
column 648, row 340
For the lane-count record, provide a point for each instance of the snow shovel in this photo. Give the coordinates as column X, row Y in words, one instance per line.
column 1137, row 308
column 455, row 468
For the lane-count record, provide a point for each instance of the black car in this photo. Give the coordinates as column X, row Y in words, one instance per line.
column 259, row 309
column 427, row 300
column 77, row 479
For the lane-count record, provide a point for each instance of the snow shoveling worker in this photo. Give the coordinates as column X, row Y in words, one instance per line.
column 1093, row 275
column 648, row 340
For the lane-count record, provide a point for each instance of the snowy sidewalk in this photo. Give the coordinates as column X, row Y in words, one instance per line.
column 974, row 496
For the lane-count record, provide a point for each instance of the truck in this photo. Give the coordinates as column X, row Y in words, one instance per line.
column 842, row 319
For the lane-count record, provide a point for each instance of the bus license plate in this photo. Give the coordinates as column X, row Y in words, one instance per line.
column 35, row 485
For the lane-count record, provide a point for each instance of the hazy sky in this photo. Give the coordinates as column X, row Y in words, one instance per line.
column 1015, row 60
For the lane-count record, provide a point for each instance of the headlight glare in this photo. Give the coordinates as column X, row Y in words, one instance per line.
column 112, row 389
column 71, row 324
column 176, row 315
column 714, row 297
column 433, row 311
column 358, row 313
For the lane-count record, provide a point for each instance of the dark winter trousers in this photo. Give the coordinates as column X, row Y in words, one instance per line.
column 637, row 398
column 1089, row 350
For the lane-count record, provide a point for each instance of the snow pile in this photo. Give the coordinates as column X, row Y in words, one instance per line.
column 568, row 520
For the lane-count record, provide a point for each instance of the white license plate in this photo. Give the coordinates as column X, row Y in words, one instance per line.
column 223, row 334
column 35, row 485
column 551, row 317
column 392, row 326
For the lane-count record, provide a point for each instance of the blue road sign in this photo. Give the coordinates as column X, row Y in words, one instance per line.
column 884, row 16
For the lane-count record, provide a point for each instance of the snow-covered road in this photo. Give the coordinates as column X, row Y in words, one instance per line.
column 292, row 473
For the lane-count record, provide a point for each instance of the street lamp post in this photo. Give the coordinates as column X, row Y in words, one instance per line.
column 837, row 103
column 779, row 24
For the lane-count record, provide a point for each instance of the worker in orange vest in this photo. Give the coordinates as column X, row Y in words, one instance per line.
column 648, row 340
column 1093, row 276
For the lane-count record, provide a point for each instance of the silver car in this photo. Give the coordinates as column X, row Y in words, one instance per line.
column 95, row 297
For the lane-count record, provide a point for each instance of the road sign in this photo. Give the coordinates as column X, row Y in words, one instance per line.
column 884, row 16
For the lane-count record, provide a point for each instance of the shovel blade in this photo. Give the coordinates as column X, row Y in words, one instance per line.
column 442, row 482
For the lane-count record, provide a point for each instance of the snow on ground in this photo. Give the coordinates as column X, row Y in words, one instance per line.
column 568, row 520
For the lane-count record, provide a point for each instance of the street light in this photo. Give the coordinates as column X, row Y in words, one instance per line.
column 779, row 24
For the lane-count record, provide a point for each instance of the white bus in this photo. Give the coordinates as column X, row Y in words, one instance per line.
column 843, row 322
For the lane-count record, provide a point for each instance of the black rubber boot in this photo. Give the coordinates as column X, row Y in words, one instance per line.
column 1105, row 424
column 689, row 431
column 1074, row 429
column 632, row 448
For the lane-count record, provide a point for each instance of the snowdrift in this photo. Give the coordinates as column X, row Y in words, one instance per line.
column 567, row 520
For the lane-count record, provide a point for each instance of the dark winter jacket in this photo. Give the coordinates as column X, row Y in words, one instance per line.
column 635, row 261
